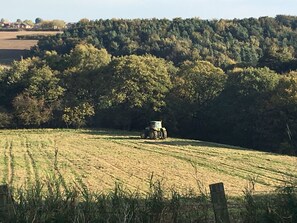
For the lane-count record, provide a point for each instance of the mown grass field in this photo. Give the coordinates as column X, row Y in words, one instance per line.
column 12, row 48
column 98, row 159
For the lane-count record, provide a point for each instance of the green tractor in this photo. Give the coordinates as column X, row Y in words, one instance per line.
column 154, row 131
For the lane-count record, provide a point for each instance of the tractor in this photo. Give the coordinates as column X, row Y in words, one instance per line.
column 154, row 131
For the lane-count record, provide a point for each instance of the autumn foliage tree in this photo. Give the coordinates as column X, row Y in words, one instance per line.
column 31, row 111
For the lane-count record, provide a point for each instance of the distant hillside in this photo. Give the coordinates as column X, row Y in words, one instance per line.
column 254, row 42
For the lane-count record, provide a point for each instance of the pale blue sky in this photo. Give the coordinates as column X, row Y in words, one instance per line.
column 73, row 10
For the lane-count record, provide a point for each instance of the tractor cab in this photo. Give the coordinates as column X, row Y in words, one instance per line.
column 156, row 125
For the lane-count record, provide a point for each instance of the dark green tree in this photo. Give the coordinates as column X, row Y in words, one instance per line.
column 136, row 85
column 38, row 20
column 238, row 115
column 83, row 81
column 196, row 85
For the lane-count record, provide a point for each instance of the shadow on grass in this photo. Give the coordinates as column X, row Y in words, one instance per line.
column 6, row 54
column 122, row 138
column 188, row 142
column 109, row 134
column 100, row 132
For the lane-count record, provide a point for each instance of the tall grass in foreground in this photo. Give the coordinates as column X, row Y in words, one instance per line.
column 280, row 206
column 50, row 202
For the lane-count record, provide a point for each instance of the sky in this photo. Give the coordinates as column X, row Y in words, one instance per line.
column 74, row 10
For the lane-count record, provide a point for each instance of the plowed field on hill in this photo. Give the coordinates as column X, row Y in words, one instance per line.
column 12, row 48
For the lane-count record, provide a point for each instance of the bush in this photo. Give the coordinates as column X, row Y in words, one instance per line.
column 5, row 119
column 280, row 206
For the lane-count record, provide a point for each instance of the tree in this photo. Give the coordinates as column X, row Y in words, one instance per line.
column 3, row 85
column 84, row 74
column 38, row 20
column 200, row 82
column 138, row 81
column 56, row 61
column 34, row 78
column 251, row 82
column 197, row 84
column 84, row 21
column 19, row 69
column 85, row 57
column 33, row 89
column 240, row 114
column 14, row 80
column 44, row 83
column 4, row 20
column 28, row 22
column 83, row 81
column 5, row 118
column 31, row 111
column 225, row 43
column 76, row 116
column 283, row 109
column 59, row 24
column 54, row 24
column 135, row 88
column 44, row 88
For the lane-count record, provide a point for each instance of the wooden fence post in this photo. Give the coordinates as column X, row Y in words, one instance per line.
column 6, row 203
column 219, row 203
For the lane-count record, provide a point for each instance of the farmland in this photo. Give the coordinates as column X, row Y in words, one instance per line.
column 12, row 49
column 98, row 159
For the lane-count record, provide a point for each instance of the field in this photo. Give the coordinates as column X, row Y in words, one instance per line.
column 98, row 159
column 12, row 49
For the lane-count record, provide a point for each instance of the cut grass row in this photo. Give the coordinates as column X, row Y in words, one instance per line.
column 97, row 159
column 266, row 176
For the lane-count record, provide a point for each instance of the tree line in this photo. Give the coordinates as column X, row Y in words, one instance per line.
column 27, row 24
column 252, row 42
column 229, row 81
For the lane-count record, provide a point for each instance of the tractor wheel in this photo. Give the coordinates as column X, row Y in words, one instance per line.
column 142, row 135
column 153, row 134
column 164, row 134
